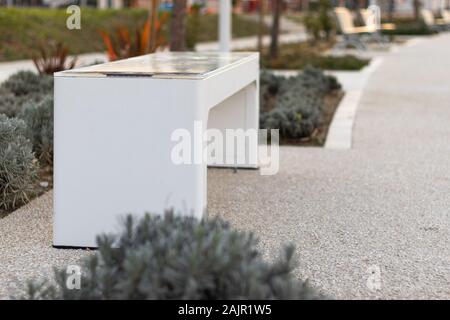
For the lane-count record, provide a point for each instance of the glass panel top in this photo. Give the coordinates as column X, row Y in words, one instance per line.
column 165, row 64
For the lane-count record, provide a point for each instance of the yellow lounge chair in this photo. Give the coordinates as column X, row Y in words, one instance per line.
column 352, row 36
column 432, row 22
column 446, row 16
column 372, row 22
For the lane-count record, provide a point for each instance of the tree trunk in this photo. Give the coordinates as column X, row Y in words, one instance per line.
column 153, row 17
column 273, row 54
column 416, row 4
column 178, row 26
column 391, row 9
column 305, row 5
column 260, row 24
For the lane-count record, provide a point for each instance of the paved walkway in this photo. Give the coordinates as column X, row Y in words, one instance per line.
column 376, row 213
column 382, row 206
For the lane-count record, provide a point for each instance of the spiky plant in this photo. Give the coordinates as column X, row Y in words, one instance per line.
column 53, row 57
column 125, row 43
column 18, row 167
column 173, row 257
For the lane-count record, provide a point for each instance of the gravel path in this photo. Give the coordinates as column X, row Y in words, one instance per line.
column 378, row 211
column 382, row 207
column 26, row 250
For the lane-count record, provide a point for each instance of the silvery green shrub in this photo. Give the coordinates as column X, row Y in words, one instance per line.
column 11, row 105
column 294, row 114
column 18, row 166
column 8, row 103
column 294, row 104
column 174, row 257
column 26, row 82
column 269, row 87
column 22, row 88
column 39, row 127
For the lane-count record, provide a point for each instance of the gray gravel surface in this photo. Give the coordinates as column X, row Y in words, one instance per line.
column 383, row 206
column 26, row 250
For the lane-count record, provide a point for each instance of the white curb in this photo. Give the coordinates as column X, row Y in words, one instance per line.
column 341, row 129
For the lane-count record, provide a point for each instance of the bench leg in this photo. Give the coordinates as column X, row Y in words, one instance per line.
column 113, row 154
column 355, row 41
column 378, row 38
column 240, row 113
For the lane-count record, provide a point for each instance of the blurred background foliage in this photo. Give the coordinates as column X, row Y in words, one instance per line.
column 23, row 28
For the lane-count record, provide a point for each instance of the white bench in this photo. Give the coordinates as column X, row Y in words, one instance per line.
column 113, row 136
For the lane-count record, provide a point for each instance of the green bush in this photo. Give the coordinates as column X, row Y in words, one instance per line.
column 313, row 27
column 409, row 27
column 39, row 127
column 18, row 167
column 347, row 62
column 26, row 82
column 22, row 28
column 298, row 60
column 318, row 23
column 326, row 21
column 294, row 116
column 294, row 105
column 192, row 26
column 299, row 55
column 269, row 87
column 11, row 105
column 174, row 257
column 23, row 87
column 8, row 103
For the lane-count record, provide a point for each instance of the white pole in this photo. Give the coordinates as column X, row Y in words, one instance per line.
column 224, row 25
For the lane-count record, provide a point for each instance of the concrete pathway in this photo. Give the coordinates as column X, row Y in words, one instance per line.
column 369, row 222
column 372, row 221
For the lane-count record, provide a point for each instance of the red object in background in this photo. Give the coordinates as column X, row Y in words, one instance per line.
column 252, row 5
